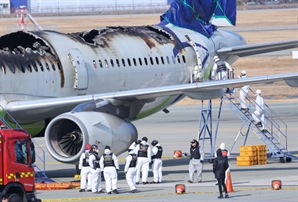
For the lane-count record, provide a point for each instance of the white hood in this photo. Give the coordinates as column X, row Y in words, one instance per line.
column 107, row 151
column 222, row 146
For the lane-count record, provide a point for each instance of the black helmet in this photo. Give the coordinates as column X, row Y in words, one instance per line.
column 154, row 142
column 108, row 147
column 94, row 146
column 145, row 139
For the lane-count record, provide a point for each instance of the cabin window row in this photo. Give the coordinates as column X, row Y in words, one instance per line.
column 138, row 61
column 34, row 66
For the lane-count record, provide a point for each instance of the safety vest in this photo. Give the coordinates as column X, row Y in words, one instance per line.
column 143, row 151
column 158, row 154
column 96, row 161
column 108, row 160
column 133, row 161
column 195, row 153
column 86, row 159
column 221, row 66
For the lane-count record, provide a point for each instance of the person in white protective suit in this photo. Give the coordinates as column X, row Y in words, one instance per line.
column 85, row 170
column 243, row 93
column 259, row 113
column 95, row 170
column 109, row 163
column 144, row 158
column 157, row 162
column 130, row 169
column 219, row 70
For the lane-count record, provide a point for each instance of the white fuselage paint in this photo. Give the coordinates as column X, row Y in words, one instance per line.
column 47, row 83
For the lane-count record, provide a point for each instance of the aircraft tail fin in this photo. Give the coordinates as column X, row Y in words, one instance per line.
column 197, row 14
column 225, row 13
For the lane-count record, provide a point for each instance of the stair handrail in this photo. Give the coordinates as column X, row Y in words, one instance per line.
column 3, row 113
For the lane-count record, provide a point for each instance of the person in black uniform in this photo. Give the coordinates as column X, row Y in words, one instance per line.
column 220, row 165
column 196, row 161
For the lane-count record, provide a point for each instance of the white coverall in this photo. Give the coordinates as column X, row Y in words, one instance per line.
column 110, row 172
column 95, row 174
column 156, row 166
column 130, row 172
column 143, row 163
column 85, row 172
column 222, row 75
column 258, row 114
column 243, row 93
column 196, row 165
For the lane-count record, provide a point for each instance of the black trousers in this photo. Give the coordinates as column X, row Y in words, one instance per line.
column 221, row 183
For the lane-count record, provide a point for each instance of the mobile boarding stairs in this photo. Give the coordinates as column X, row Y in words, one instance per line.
column 274, row 136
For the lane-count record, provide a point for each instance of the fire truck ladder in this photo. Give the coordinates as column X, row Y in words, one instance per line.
column 275, row 134
column 40, row 174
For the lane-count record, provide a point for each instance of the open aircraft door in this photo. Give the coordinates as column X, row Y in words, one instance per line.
column 81, row 73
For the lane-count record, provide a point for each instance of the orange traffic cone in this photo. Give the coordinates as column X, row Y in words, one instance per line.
column 276, row 184
column 229, row 183
column 177, row 153
column 179, row 188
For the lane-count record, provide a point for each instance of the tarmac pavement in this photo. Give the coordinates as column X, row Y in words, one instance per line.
column 174, row 131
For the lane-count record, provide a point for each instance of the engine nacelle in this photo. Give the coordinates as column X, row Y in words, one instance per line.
column 68, row 133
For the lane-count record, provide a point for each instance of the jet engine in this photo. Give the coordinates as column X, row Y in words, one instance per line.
column 67, row 134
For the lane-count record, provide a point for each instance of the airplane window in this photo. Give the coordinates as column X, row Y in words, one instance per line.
column 173, row 58
column 162, row 61
column 156, row 58
column 134, row 61
column 47, row 66
column 178, row 58
column 112, row 63
column 22, row 69
column 53, row 66
column 117, row 62
column 94, row 64
column 168, row 59
column 128, row 60
column 11, row 67
column 106, row 63
column 140, row 61
column 40, row 66
column 123, row 62
column 29, row 68
column 183, row 58
column 34, row 66
column 145, row 59
column 100, row 63
column 3, row 69
column 59, row 67
column 151, row 60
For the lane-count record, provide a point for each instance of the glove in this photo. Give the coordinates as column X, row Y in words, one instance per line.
column 201, row 161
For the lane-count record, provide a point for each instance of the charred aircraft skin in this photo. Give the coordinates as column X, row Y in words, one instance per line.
column 81, row 64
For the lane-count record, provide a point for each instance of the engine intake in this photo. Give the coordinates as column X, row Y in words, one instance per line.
column 68, row 133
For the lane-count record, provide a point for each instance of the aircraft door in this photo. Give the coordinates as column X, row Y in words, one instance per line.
column 81, row 73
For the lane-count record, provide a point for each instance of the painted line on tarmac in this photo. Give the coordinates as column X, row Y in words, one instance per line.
column 153, row 195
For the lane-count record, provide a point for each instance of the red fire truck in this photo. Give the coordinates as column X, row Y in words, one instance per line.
column 17, row 156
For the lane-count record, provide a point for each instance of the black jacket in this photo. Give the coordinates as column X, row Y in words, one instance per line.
column 220, row 165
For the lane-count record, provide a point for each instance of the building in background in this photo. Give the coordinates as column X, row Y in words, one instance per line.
column 4, row 7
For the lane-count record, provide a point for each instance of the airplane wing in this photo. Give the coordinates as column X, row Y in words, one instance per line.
column 51, row 107
column 255, row 49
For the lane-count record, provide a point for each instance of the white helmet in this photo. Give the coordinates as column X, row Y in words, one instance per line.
column 258, row 92
column 216, row 58
column 243, row 73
